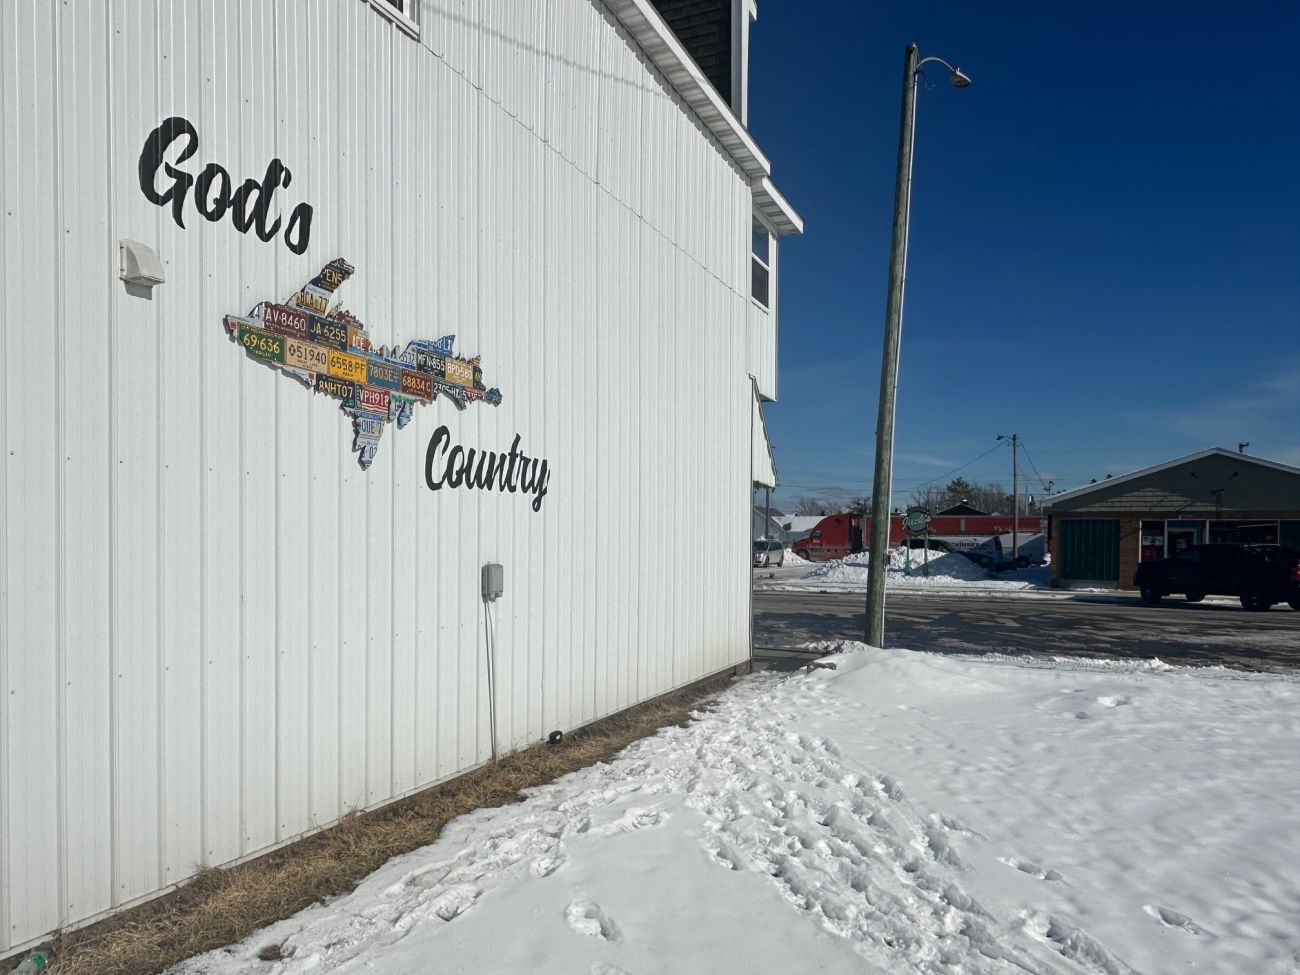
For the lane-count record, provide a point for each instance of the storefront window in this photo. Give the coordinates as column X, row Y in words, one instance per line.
column 1183, row 534
column 1153, row 540
column 1244, row 532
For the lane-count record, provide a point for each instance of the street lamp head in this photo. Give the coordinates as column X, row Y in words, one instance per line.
column 958, row 78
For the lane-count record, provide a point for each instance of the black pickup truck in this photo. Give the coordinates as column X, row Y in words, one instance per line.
column 1260, row 575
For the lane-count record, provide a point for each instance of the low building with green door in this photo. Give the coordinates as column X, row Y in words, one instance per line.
column 1099, row 533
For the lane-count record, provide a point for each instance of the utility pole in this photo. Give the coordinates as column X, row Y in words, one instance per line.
column 882, row 481
column 878, row 559
column 1015, row 495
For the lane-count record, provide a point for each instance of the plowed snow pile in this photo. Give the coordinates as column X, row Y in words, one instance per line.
column 944, row 567
column 906, row 813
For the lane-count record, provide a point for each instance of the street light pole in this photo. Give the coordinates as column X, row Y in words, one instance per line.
column 1015, row 495
column 877, row 560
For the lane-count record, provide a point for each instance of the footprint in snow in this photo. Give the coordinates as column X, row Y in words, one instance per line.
column 1073, row 943
column 634, row 819
column 450, row 904
column 936, row 841
column 1033, row 869
column 587, row 918
column 954, row 824
column 889, row 788
column 1173, row 919
column 547, row 864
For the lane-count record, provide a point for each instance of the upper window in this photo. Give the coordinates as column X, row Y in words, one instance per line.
column 400, row 12
column 761, row 265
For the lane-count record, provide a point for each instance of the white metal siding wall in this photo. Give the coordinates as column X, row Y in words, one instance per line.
column 216, row 632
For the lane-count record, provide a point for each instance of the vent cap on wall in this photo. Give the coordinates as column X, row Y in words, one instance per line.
column 139, row 264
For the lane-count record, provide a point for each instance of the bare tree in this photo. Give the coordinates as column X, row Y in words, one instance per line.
column 993, row 498
column 932, row 498
column 811, row 506
column 858, row 506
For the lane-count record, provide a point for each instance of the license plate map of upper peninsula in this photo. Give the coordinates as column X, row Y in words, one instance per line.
column 329, row 351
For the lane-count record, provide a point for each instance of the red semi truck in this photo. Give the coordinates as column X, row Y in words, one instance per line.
column 836, row 536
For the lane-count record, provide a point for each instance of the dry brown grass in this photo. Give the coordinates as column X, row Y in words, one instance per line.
column 222, row 906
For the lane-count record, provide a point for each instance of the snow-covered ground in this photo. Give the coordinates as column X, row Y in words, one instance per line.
column 905, row 813
column 946, row 572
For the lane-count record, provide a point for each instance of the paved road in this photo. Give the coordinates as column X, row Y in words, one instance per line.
column 1174, row 631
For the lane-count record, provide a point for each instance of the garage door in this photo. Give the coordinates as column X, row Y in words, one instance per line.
column 1090, row 550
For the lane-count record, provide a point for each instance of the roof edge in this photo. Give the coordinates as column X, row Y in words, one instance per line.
column 1208, row 452
column 668, row 54
column 785, row 220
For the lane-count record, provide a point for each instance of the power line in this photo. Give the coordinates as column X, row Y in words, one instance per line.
column 956, row 469
column 1041, row 480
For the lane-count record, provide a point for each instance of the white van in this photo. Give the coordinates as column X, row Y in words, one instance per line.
column 1032, row 549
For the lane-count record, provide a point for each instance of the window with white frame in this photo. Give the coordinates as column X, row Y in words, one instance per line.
column 760, row 285
column 400, row 12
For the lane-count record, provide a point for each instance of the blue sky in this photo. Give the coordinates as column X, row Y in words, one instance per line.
column 1105, row 235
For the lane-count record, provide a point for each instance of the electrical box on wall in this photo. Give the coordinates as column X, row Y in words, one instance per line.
column 494, row 583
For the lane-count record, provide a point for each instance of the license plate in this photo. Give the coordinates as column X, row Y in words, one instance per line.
column 368, row 428
column 384, row 374
column 304, row 355
column 373, row 400
column 461, row 373
column 344, row 366
column 313, row 300
column 417, row 384
column 333, row 335
column 337, row 388
column 428, row 362
column 286, row 321
column 261, row 343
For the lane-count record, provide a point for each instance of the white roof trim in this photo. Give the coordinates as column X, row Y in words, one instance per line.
column 1211, row 452
column 659, row 42
column 669, row 56
column 769, row 201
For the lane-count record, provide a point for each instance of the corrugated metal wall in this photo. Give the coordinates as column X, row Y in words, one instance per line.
column 217, row 632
